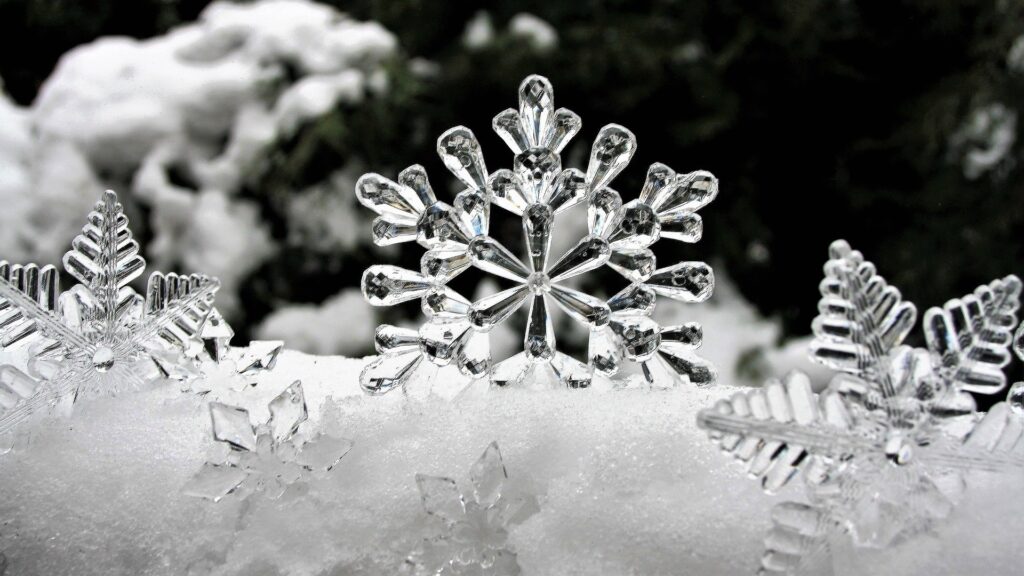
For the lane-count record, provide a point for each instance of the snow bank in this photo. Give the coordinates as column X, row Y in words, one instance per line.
column 627, row 485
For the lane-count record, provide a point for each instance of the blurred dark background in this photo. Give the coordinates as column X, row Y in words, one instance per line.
column 822, row 119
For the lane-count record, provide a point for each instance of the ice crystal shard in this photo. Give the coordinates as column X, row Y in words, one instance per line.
column 269, row 457
column 535, row 189
column 875, row 449
column 100, row 336
column 475, row 537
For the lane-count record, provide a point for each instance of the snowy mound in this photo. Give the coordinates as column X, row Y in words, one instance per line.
column 625, row 481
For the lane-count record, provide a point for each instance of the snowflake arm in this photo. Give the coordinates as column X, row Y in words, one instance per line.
column 861, row 318
column 972, row 336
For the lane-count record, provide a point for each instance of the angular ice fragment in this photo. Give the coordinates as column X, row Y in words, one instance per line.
column 488, row 476
column 258, row 356
column 214, row 481
column 232, row 425
column 287, row 412
column 440, row 496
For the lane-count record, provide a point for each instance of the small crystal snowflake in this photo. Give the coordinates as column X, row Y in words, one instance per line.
column 269, row 457
column 100, row 336
column 877, row 449
column 457, row 237
column 475, row 540
column 220, row 368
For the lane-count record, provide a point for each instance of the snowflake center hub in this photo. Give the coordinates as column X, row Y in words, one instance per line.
column 103, row 359
column 539, row 282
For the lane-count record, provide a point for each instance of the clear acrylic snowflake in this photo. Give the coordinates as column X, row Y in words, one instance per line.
column 100, row 336
column 269, row 457
column 881, row 451
column 456, row 237
column 475, row 538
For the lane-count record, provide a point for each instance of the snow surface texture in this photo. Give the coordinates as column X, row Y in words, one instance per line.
column 627, row 485
column 202, row 103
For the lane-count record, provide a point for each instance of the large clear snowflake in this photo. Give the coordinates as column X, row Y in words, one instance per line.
column 100, row 336
column 537, row 188
column 881, row 450
column 475, row 537
column 269, row 457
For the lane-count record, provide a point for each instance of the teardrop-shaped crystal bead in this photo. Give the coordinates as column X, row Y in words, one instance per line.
column 474, row 359
column 438, row 226
column 537, row 222
column 440, row 340
column 690, row 193
column 536, row 169
column 508, row 126
column 563, row 127
column 634, row 265
column 490, row 256
column 443, row 264
column 686, row 281
column 570, row 372
column 388, row 339
column 472, row 210
column 583, row 308
column 442, row 301
column 602, row 211
column 539, row 343
column 568, row 190
column 506, row 191
column 388, row 198
column 590, row 253
column 388, row 372
column 694, row 369
column 415, row 178
column 639, row 336
column 536, row 104
column 386, row 232
column 689, row 335
column 461, row 154
column 386, row 285
column 682, row 226
column 603, row 351
column 658, row 177
column 636, row 227
column 494, row 309
column 511, row 371
column 612, row 150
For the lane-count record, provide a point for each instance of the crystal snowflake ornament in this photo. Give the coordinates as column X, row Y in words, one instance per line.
column 475, row 538
column 456, row 237
column 269, row 457
column 881, row 450
column 100, row 336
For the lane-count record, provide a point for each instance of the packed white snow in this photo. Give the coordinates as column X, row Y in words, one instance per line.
column 627, row 486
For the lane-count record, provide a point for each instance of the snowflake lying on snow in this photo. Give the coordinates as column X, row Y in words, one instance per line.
column 878, row 449
column 475, row 540
column 266, row 458
column 100, row 336
column 536, row 189
column 222, row 368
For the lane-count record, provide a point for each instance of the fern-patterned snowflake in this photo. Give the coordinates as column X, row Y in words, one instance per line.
column 456, row 237
column 876, row 449
column 100, row 336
